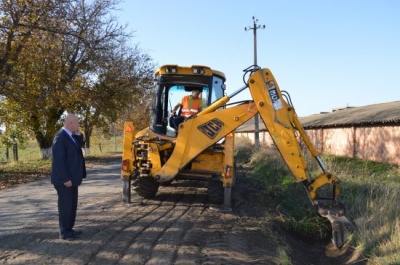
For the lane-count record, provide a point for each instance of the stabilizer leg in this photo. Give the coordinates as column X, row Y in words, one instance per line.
column 126, row 189
column 226, row 207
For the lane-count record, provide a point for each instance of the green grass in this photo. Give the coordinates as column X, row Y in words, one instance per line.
column 370, row 191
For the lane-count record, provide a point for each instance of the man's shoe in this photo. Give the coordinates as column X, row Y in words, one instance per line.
column 71, row 238
column 71, row 235
column 77, row 232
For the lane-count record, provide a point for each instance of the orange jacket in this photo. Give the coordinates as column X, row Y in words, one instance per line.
column 190, row 106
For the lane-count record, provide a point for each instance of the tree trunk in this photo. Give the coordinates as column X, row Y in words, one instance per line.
column 86, row 151
column 88, row 133
column 45, row 130
column 7, row 153
column 46, row 153
column 15, row 151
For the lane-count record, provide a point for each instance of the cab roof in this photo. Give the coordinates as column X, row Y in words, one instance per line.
column 171, row 69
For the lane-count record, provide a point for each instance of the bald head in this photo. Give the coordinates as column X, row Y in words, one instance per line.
column 72, row 123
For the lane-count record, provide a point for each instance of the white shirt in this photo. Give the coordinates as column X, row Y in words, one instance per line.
column 69, row 133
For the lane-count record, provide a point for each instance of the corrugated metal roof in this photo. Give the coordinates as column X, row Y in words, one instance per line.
column 383, row 113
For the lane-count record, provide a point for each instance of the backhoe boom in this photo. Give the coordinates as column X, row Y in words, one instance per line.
column 282, row 123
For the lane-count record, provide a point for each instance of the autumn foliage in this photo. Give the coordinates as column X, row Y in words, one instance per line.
column 59, row 56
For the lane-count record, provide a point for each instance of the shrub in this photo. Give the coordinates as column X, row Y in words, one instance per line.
column 244, row 149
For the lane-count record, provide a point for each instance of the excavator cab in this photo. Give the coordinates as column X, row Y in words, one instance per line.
column 147, row 151
column 172, row 83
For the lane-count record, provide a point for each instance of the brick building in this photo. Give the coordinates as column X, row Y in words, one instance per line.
column 369, row 132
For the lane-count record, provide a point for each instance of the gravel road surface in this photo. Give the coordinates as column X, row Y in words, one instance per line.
column 175, row 227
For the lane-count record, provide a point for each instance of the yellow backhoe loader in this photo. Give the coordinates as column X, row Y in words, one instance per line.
column 202, row 147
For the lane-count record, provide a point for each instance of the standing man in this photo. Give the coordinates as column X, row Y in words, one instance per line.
column 68, row 170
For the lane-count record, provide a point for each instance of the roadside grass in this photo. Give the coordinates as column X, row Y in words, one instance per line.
column 370, row 191
column 283, row 257
column 99, row 146
column 22, row 172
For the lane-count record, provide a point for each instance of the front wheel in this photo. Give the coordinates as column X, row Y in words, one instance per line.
column 146, row 187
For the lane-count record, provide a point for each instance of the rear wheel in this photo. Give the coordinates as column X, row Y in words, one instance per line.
column 146, row 187
column 215, row 191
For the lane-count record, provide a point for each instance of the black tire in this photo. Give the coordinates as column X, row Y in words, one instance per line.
column 147, row 187
column 215, row 191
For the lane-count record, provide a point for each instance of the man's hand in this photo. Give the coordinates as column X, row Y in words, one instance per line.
column 68, row 184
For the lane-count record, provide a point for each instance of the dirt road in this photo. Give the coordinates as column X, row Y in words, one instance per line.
column 176, row 227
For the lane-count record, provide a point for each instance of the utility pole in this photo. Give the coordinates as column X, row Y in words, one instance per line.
column 256, row 117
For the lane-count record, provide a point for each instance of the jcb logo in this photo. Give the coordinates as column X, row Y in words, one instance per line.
column 211, row 128
column 273, row 95
column 276, row 101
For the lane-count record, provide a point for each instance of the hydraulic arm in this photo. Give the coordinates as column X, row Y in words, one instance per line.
column 215, row 122
column 282, row 123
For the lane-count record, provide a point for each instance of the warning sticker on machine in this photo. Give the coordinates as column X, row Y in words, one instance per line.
column 276, row 101
column 211, row 128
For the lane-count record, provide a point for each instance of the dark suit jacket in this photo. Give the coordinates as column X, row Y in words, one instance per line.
column 67, row 160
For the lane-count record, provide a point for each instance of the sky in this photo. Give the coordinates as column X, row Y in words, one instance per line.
column 326, row 54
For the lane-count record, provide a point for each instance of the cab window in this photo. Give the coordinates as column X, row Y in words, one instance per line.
column 217, row 88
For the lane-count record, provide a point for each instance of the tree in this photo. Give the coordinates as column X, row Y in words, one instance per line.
column 121, row 80
column 65, row 58
column 14, row 132
column 19, row 19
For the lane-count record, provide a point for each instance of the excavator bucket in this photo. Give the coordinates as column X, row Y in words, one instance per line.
column 334, row 211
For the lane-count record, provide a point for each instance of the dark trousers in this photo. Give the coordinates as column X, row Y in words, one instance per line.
column 176, row 121
column 67, row 205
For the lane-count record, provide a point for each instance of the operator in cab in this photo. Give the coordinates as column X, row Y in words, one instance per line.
column 190, row 105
